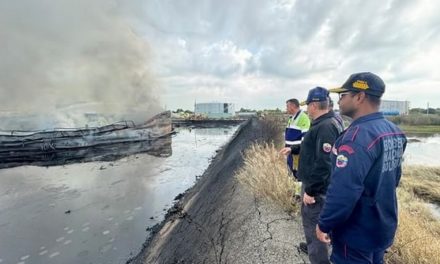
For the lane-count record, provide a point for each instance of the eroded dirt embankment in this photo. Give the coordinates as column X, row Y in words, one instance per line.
column 219, row 221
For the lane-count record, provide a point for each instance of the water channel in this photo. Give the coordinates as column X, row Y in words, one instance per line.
column 423, row 150
column 97, row 212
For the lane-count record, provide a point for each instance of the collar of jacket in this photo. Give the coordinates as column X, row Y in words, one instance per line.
column 324, row 116
column 365, row 118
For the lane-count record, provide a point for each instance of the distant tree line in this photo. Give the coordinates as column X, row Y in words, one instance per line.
column 424, row 111
column 416, row 119
column 246, row 110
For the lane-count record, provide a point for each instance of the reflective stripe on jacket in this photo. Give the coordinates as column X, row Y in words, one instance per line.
column 296, row 127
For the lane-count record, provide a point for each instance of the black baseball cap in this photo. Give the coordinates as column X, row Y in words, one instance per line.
column 366, row 82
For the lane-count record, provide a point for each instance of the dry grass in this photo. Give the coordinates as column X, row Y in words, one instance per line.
column 273, row 128
column 417, row 239
column 265, row 173
column 423, row 181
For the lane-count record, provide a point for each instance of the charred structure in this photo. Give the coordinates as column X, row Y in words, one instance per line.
column 63, row 146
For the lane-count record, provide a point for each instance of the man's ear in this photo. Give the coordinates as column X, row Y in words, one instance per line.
column 360, row 97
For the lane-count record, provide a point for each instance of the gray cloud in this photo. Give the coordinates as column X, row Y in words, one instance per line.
column 58, row 53
column 294, row 45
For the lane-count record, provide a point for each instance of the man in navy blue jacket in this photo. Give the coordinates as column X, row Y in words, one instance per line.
column 360, row 212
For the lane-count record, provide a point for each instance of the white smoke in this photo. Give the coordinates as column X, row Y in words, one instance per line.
column 56, row 54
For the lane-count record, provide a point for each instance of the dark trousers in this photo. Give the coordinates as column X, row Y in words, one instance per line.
column 318, row 251
column 343, row 254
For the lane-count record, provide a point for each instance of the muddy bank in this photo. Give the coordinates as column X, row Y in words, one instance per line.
column 218, row 221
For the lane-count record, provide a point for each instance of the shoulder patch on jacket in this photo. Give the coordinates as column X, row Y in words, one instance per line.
column 341, row 161
column 346, row 148
column 327, row 147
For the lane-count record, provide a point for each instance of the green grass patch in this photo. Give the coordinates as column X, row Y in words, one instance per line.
column 413, row 129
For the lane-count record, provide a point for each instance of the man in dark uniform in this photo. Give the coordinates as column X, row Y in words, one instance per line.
column 315, row 167
column 360, row 211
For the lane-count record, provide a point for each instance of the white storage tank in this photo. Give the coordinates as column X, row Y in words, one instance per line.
column 392, row 107
column 215, row 110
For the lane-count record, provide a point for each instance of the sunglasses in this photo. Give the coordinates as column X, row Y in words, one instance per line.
column 341, row 95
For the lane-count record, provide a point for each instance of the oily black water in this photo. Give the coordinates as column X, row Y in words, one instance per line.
column 97, row 212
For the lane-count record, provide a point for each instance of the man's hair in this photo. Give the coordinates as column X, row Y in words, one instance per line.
column 293, row 101
column 323, row 105
column 374, row 100
column 330, row 103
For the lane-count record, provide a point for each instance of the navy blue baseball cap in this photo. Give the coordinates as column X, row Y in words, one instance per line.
column 366, row 82
column 317, row 94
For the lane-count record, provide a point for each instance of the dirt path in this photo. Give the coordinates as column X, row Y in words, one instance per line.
column 218, row 221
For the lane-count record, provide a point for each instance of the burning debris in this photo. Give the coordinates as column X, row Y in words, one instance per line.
column 106, row 143
column 67, row 54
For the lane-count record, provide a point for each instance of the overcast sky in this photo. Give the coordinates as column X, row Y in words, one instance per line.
column 144, row 54
column 257, row 53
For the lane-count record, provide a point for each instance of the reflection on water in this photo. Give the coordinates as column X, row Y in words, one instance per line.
column 97, row 212
column 423, row 151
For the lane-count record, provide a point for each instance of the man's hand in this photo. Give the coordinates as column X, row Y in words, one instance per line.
column 323, row 237
column 307, row 199
column 295, row 149
column 285, row 151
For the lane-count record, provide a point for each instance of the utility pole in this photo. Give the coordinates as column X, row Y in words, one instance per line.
column 195, row 107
